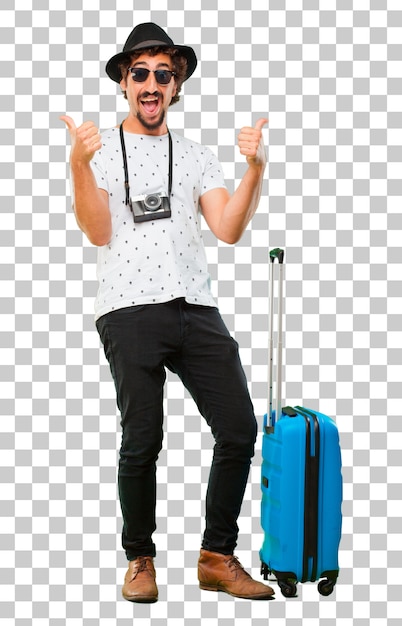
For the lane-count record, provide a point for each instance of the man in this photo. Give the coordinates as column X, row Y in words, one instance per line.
column 138, row 194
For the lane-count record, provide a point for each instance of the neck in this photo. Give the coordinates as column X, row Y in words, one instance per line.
column 133, row 125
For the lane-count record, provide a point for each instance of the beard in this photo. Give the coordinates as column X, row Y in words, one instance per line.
column 154, row 125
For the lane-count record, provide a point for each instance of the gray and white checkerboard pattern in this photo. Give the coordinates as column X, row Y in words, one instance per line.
column 329, row 75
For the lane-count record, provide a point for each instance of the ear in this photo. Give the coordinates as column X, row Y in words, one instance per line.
column 174, row 92
column 123, row 84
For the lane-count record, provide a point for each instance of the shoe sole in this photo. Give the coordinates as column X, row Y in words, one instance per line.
column 206, row 587
column 142, row 599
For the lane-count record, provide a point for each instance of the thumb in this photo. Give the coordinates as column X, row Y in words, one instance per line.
column 69, row 123
column 261, row 123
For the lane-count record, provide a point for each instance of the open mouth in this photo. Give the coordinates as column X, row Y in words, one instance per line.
column 150, row 104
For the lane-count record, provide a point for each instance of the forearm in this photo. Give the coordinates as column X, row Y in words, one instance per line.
column 91, row 207
column 227, row 216
column 242, row 205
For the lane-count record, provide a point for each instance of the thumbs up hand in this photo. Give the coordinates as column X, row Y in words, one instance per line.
column 85, row 140
column 251, row 143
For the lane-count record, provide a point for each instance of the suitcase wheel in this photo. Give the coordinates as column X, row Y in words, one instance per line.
column 325, row 587
column 264, row 570
column 288, row 588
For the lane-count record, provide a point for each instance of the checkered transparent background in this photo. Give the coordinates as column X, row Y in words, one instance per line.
column 329, row 75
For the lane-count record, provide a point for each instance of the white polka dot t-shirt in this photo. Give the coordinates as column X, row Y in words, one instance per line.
column 155, row 261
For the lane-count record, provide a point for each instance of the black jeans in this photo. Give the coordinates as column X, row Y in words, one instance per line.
column 193, row 342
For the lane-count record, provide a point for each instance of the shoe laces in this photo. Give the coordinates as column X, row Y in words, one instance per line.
column 141, row 564
column 235, row 566
column 234, row 563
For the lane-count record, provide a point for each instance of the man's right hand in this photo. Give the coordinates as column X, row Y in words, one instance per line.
column 85, row 140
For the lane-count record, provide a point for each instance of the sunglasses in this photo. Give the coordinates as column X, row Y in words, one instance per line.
column 140, row 75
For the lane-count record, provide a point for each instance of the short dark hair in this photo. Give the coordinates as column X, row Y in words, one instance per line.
column 179, row 65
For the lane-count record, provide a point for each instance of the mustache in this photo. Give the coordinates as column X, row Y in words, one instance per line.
column 146, row 94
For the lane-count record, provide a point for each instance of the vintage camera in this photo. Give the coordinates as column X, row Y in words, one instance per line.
column 154, row 206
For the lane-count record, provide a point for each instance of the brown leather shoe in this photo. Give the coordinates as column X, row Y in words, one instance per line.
column 139, row 582
column 220, row 572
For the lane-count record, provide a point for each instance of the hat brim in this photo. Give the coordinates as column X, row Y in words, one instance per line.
column 112, row 66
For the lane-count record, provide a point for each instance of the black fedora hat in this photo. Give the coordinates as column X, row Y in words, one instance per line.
column 148, row 35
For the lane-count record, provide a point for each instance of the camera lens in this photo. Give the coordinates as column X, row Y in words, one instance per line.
column 152, row 202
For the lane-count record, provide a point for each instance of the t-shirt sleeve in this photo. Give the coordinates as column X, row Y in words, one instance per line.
column 99, row 170
column 213, row 173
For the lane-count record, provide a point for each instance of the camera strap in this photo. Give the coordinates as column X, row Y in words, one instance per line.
column 126, row 181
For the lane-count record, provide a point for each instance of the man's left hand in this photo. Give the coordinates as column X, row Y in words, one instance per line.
column 251, row 143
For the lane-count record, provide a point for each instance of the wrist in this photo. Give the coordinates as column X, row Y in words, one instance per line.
column 79, row 164
column 256, row 166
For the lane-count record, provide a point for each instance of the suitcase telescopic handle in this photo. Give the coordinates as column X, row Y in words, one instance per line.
column 276, row 253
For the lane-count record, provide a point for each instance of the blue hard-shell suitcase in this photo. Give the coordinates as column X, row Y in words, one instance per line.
column 301, row 484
